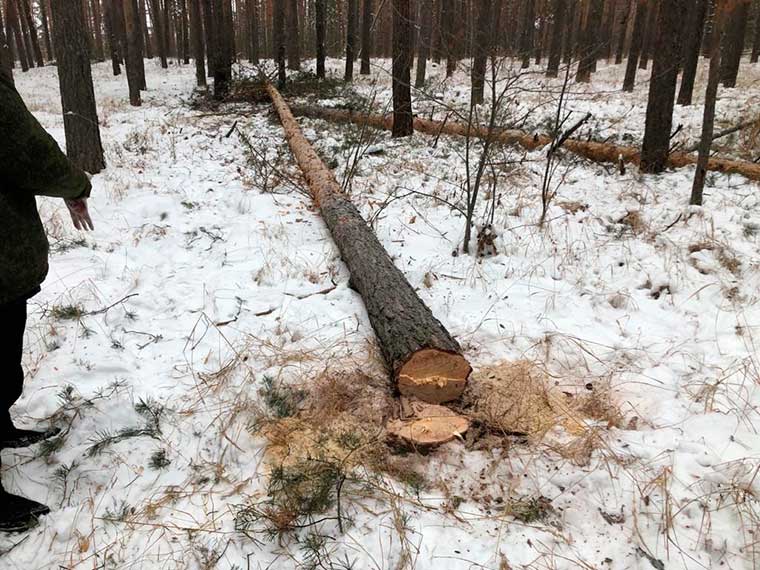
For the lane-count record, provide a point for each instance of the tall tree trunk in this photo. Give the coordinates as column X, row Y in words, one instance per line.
column 367, row 35
column 711, row 94
column 527, row 30
column 426, row 37
column 97, row 26
column 351, row 9
column 650, row 33
column 733, row 41
column 44, row 19
column 196, row 31
column 211, row 35
column 223, row 55
column 113, row 38
column 6, row 59
column 568, row 44
column 448, row 17
column 159, row 31
column 402, row 61
column 482, row 49
column 692, row 41
column 147, row 43
column 622, row 28
column 184, row 33
column 278, row 35
column 590, row 46
column 320, row 28
column 555, row 49
column 11, row 13
column 756, row 43
column 32, row 30
column 80, row 115
column 662, row 88
column 133, row 53
column 637, row 40
column 26, row 33
column 294, row 46
column 253, row 7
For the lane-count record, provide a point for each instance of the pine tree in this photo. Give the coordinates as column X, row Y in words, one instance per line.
column 80, row 116
column 278, row 41
column 367, row 35
column 637, row 40
column 351, row 10
column 737, row 14
column 692, row 41
column 402, row 61
column 662, row 88
column 294, row 50
column 482, row 48
column 133, row 52
column 555, row 48
column 6, row 59
column 423, row 46
column 711, row 94
column 196, row 33
column 320, row 25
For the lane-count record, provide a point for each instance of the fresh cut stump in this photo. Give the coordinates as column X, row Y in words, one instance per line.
column 423, row 358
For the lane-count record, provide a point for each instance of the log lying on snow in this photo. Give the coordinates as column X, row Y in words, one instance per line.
column 596, row 151
column 424, row 359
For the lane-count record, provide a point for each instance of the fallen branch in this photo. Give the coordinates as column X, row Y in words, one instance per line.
column 725, row 133
column 595, row 151
column 423, row 358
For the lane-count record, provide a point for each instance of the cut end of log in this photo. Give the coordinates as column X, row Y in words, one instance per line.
column 434, row 376
column 430, row 426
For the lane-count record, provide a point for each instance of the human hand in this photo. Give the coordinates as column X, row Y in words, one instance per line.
column 80, row 215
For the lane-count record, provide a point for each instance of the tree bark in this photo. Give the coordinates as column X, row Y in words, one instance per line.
column 97, row 25
column 113, row 38
column 294, row 49
column 662, row 89
column 26, row 13
column 196, row 31
column 351, row 9
column 421, row 355
column 6, row 58
column 278, row 35
column 320, row 27
column 80, row 115
column 695, row 26
column 595, row 151
column 133, row 55
column 733, row 41
column 482, row 48
column 44, row 19
column 756, row 43
column 527, row 31
column 426, row 37
column 637, row 40
column 708, row 120
column 590, row 46
column 255, row 30
column 555, row 49
column 447, row 22
column 402, row 62
column 158, row 31
column 367, row 35
column 210, row 35
column 222, row 13
column 650, row 33
column 11, row 13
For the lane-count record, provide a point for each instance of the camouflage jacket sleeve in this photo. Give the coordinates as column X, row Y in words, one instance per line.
column 30, row 159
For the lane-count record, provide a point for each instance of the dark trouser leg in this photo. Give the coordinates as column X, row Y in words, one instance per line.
column 13, row 322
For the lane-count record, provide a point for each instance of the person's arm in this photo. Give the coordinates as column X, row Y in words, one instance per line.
column 30, row 159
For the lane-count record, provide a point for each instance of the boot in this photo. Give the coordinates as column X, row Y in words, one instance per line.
column 19, row 514
column 13, row 437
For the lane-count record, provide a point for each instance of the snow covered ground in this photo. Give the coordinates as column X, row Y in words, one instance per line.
column 153, row 337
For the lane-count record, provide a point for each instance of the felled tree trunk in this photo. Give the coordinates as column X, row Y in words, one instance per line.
column 421, row 355
column 595, row 151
